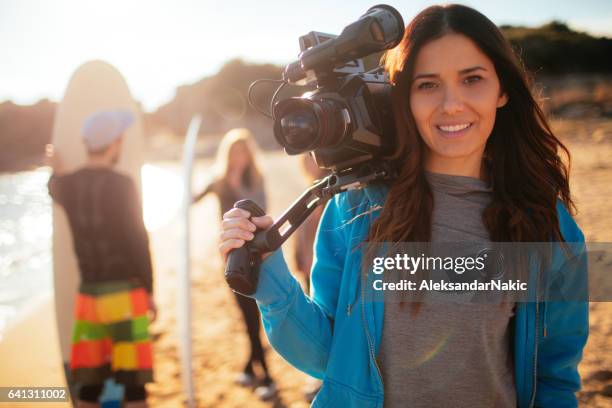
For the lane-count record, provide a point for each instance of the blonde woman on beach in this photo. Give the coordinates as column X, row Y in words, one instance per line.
column 237, row 177
column 477, row 163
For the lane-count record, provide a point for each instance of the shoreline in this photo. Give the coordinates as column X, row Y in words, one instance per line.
column 26, row 311
column 30, row 347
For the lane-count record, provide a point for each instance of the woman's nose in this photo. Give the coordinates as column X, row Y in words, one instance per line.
column 452, row 102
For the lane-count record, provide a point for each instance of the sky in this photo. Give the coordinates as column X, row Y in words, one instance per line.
column 160, row 44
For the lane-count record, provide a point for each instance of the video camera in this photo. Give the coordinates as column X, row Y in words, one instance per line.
column 348, row 119
column 346, row 123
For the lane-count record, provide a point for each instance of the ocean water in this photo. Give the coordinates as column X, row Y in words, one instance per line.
column 26, row 229
column 25, row 242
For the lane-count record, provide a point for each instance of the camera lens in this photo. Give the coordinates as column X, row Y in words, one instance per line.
column 303, row 124
column 299, row 127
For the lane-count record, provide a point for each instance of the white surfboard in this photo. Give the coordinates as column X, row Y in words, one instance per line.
column 94, row 86
column 184, row 277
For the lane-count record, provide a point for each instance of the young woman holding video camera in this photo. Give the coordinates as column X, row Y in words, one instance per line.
column 479, row 162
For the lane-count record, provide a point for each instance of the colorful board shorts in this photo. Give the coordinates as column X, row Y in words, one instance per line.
column 111, row 334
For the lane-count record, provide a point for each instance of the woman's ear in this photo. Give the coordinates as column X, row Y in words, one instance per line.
column 502, row 100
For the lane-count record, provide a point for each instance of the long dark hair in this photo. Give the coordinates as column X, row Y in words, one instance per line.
column 522, row 153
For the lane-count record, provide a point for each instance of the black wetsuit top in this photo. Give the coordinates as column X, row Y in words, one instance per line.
column 105, row 216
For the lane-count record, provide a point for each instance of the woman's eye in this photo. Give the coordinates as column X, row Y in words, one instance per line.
column 426, row 85
column 472, row 79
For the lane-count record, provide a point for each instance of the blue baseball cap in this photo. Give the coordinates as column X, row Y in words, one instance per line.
column 101, row 128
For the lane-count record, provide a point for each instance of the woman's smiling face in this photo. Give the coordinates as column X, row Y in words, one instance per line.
column 454, row 96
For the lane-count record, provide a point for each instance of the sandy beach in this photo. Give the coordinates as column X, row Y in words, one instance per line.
column 30, row 348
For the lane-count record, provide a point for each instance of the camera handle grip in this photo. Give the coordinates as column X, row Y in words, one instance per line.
column 242, row 267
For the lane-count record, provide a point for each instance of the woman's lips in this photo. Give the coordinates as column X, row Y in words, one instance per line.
column 455, row 130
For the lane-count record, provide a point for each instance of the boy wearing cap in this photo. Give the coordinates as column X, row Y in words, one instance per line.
column 110, row 336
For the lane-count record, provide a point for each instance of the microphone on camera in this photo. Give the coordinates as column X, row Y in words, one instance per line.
column 379, row 29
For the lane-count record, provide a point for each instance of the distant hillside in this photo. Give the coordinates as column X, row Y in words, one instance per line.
column 574, row 68
column 554, row 49
column 24, row 131
column 222, row 99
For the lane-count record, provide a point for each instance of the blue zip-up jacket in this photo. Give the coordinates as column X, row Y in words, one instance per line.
column 334, row 335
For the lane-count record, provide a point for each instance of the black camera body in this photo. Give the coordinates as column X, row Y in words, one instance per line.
column 342, row 125
column 348, row 119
